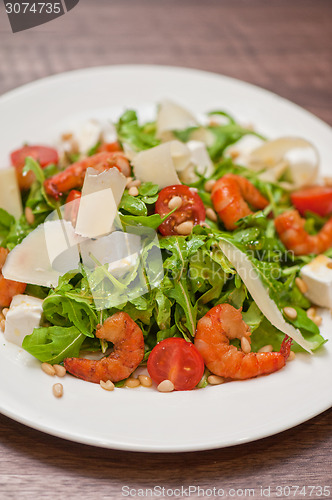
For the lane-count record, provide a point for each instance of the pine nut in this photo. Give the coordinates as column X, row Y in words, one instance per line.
column 60, row 371
column 266, row 348
column 58, row 390
column 67, row 136
column 128, row 181
column 194, row 190
column 329, row 265
column 215, row 380
column 131, row 383
column 317, row 320
column 291, row 356
column 245, row 345
column 166, row 386
column 184, row 228
column 145, row 380
column 311, row 312
column 5, row 312
column 301, row 285
column 204, row 224
column 211, row 214
column 234, row 154
column 290, row 312
column 48, row 369
column 2, row 325
column 29, row 216
column 135, row 183
column 208, row 186
column 133, row 191
column 175, row 202
column 327, row 181
column 108, row 385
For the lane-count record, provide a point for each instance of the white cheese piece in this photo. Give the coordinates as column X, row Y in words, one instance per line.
column 156, row 165
column 318, row 278
column 300, row 156
column 101, row 195
column 88, row 136
column 203, row 135
column 10, row 196
column 200, row 162
column 44, row 255
column 251, row 279
column 109, row 133
column 120, row 250
column 22, row 318
column 170, row 117
column 243, row 148
column 181, row 155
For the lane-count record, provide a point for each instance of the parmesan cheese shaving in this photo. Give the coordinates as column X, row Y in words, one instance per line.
column 157, row 165
column 10, row 196
column 170, row 117
column 251, row 279
column 101, row 195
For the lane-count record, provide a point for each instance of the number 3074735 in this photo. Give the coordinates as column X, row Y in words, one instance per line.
column 33, row 8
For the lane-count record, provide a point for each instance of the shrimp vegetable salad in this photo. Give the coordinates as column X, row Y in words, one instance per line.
column 191, row 251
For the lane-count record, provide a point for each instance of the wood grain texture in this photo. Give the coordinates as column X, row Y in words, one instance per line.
column 283, row 46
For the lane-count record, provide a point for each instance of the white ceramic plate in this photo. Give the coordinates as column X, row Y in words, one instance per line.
column 144, row 419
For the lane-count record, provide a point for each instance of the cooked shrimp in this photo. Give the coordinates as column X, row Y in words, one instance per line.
column 291, row 231
column 8, row 288
column 214, row 331
column 128, row 352
column 230, row 195
column 73, row 176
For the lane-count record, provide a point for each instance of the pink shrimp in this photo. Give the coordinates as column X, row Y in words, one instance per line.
column 128, row 352
column 222, row 323
column 8, row 288
column 291, row 231
column 73, row 176
column 230, row 195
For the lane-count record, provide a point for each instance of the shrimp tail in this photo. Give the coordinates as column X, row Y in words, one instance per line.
column 286, row 347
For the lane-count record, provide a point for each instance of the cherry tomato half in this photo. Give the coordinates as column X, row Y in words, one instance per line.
column 43, row 154
column 176, row 360
column 317, row 199
column 72, row 206
column 192, row 208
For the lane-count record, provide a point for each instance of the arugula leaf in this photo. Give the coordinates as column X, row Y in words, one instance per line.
column 180, row 294
column 138, row 137
column 54, row 344
column 65, row 310
column 152, row 221
column 133, row 205
column 18, row 231
column 33, row 165
column 6, row 222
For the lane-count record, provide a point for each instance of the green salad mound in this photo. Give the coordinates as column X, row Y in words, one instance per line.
column 197, row 275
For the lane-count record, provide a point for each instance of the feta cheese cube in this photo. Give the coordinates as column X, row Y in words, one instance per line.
column 23, row 316
column 318, row 277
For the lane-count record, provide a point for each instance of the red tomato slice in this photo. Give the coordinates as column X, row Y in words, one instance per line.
column 43, row 154
column 192, row 208
column 317, row 199
column 176, row 360
column 72, row 206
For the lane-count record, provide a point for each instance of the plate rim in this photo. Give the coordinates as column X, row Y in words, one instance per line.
column 134, row 447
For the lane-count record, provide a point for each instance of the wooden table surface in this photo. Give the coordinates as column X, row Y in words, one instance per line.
column 284, row 46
